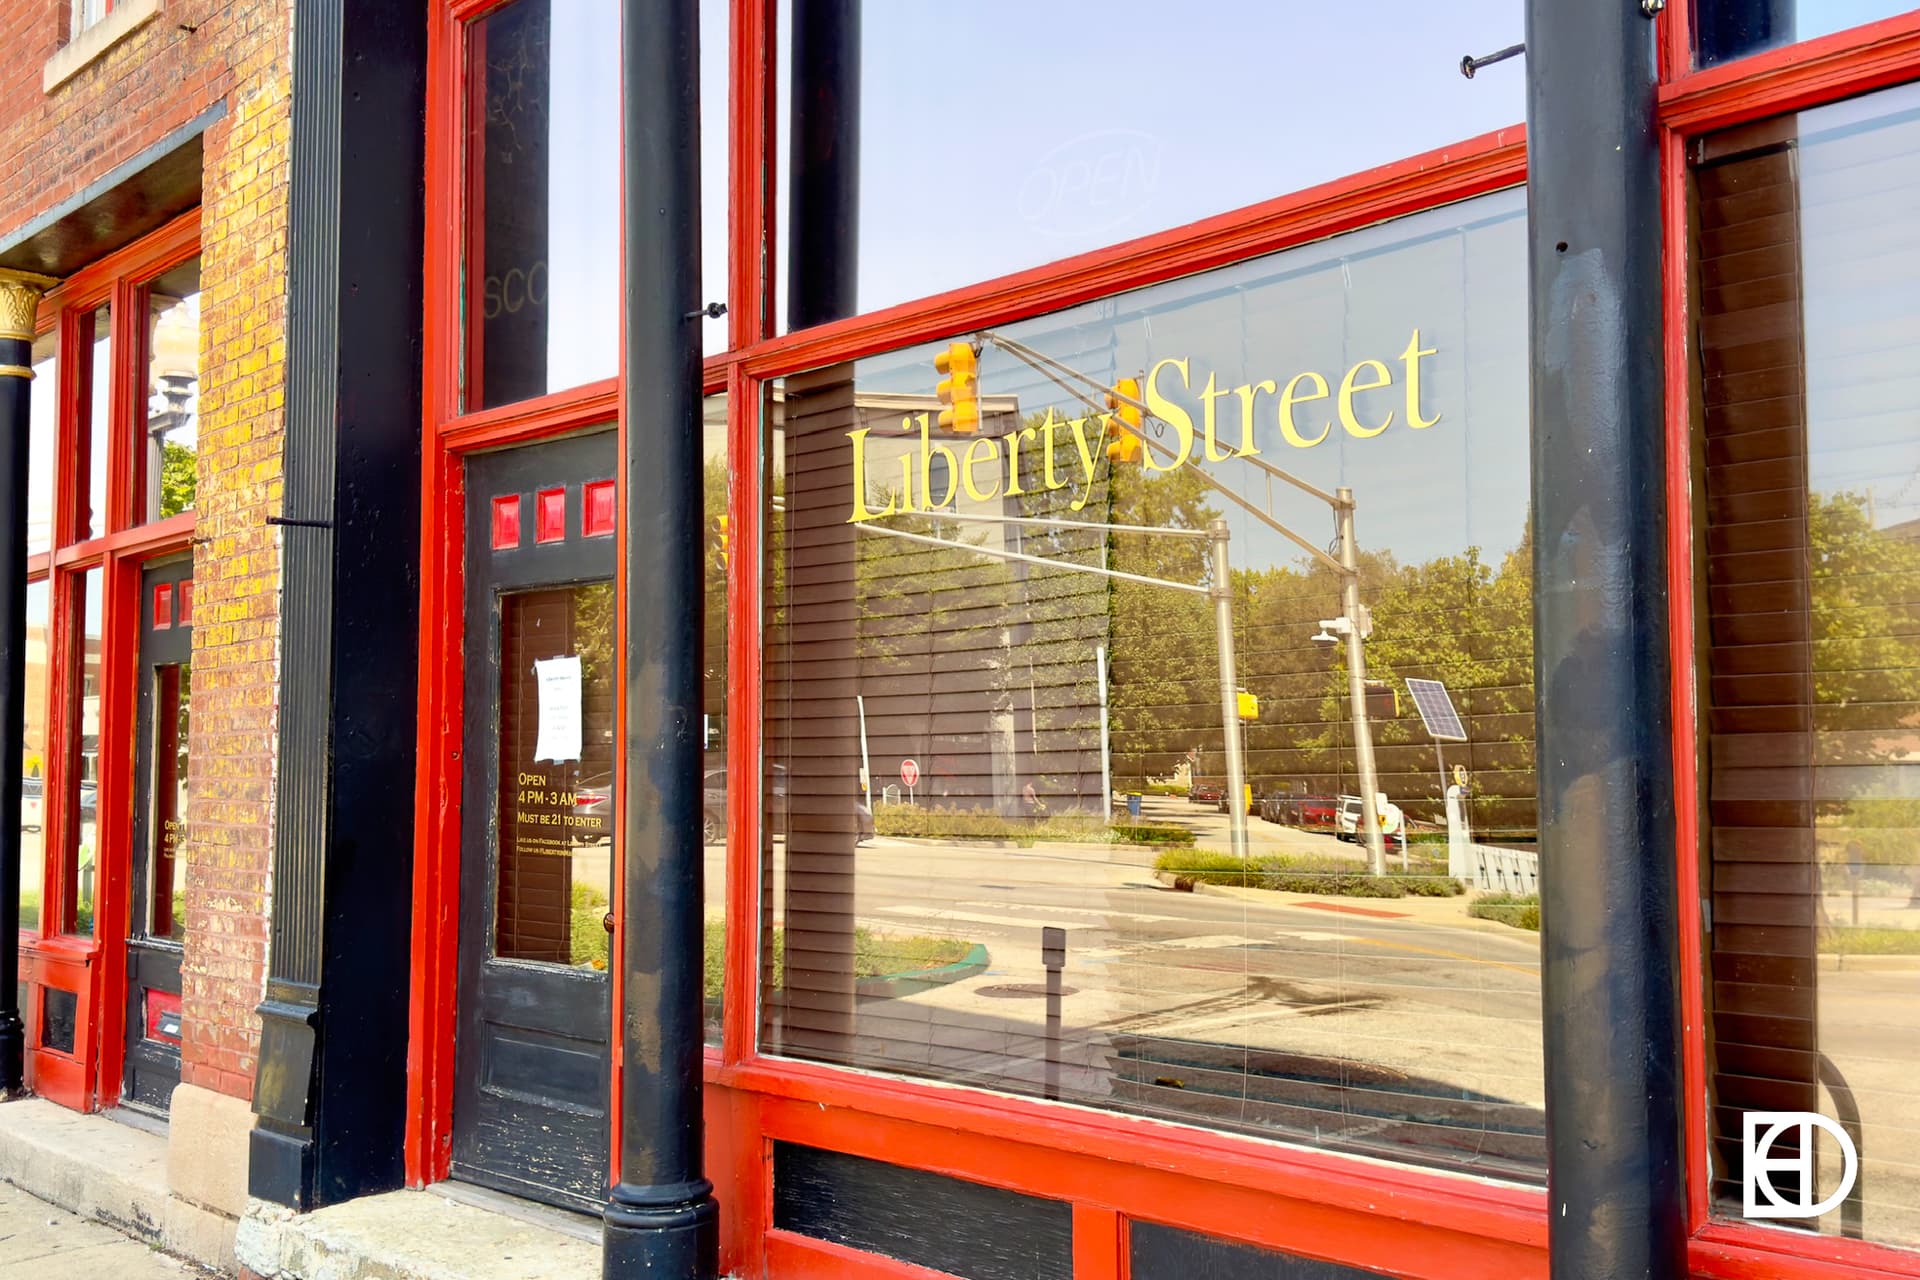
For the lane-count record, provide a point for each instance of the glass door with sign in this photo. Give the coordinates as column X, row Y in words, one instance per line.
column 156, row 933
column 536, row 914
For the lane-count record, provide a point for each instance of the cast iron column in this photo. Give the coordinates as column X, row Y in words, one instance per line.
column 1609, row 940
column 19, row 299
column 661, row 1219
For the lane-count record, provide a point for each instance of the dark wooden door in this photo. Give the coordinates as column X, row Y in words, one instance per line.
column 156, row 933
column 531, row 1057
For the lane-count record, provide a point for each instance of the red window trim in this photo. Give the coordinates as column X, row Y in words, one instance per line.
column 93, row 967
column 1777, row 82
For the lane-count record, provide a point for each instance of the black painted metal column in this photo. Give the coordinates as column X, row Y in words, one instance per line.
column 661, row 1219
column 330, row 1091
column 1608, row 883
column 19, row 299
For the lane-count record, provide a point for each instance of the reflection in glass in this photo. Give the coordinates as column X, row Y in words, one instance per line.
column 1046, row 745
column 172, row 694
column 44, row 430
column 1811, row 626
column 556, row 775
column 83, row 812
column 1727, row 29
column 718, row 562
column 994, row 165
column 33, row 758
column 544, row 144
column 173, row 392
column 95, row 422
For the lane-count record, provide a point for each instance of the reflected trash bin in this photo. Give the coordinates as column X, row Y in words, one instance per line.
column 1133, row 804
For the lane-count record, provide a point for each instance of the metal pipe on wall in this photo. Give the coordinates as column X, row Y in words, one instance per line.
column 661, row 1219
column 19, row 300
column 1608, row 879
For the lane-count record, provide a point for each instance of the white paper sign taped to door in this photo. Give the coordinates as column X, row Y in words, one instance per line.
column 559, row 736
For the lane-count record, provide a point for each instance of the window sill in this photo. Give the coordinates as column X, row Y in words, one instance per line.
column 127, row 17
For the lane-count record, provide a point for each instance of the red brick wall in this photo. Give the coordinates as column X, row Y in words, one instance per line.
column 191, row 54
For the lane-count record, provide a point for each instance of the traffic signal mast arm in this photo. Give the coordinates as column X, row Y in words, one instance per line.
column 1058, row 373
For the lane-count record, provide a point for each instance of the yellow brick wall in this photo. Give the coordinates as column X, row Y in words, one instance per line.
column 236, row 561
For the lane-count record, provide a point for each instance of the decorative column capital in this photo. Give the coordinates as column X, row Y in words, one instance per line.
column 20, row 293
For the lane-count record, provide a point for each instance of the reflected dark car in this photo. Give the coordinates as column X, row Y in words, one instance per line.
column 713, row 807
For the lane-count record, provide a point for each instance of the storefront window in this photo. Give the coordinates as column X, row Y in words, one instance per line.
column 721, row 553
column 95, row 420
column 1807, row 278
column 1000, row 135
column 172, row 433
column 1047, row 893
column 43, row 434
column 33, row 760
column 557, row 803
column 543, row 234
column 1727, row 29
column 82, row 865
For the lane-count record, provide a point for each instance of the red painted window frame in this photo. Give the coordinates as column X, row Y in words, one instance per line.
column 1412, row 1221
column 94, row 968
column 1692, row 103
column 1207, row 1181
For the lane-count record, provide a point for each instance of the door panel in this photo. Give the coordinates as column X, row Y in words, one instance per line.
column 531, row 1059
column 156, row 932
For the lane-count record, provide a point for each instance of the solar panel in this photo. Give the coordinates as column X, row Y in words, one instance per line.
column 1436, row 710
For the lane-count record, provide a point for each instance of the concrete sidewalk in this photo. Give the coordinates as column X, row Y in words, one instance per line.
column 41, row 1242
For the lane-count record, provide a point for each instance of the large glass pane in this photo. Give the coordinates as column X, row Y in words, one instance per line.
column 719, row 562
column 716, row 29
column 544, row 217
column 44, row 402
column 94, row 419
column 1727, row 29
column 33, row 759
column 1808, row 303
column 1052, row 892
column 173, row 393
column 83, row 768
column 543, row 221
column 167, row 886
column 555, row 873
column 1003, row 134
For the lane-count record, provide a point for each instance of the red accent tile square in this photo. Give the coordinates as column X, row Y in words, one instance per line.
column 186, row 602
column 596, row 519
column 506, row 522
column 550, row 515
column 163, row 606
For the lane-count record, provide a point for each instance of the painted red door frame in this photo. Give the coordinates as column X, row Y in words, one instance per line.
column 1167, row 1172
column 93, row 967
column 1692, row 104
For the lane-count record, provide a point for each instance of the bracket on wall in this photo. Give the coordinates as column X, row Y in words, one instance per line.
column 1471, row 64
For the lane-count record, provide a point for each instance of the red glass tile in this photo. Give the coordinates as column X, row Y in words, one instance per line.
column 163, row 606
column 550, row 515
column 597, row 519
column 186, row 602
column 506, row 522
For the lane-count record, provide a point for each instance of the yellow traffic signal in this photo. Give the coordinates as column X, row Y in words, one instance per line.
column 1123, row 443
column 959, row 390
column 721, row 542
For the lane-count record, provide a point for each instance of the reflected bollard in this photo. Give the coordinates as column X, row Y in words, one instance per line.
column 1053, row 954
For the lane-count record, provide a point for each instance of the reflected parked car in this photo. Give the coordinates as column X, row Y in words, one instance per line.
column 33, row 806
column 1206, row 791
column 713, row 807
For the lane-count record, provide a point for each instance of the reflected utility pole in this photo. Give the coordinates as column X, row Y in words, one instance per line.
column 1346, row 567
